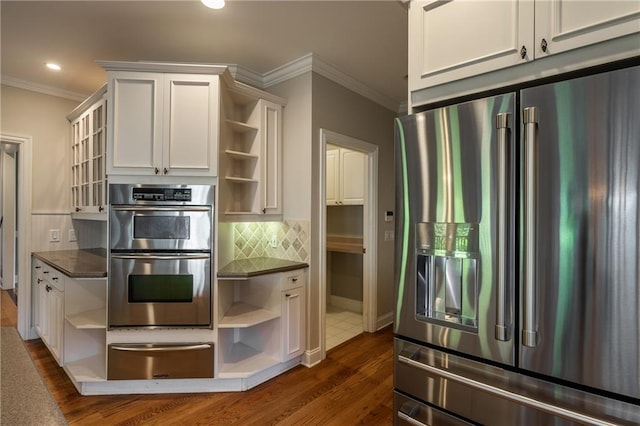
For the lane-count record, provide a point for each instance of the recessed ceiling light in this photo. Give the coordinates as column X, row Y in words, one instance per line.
column 213, row 4
column 53, row 66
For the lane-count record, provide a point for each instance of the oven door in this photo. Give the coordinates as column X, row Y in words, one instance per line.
column 160, row 290
column 160, row 227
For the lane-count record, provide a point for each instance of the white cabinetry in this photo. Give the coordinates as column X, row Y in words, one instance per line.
column 85, row 319
column 261, row 323
column 455, row 40
column 162, row 124
column 346, row 171
column 49, row 287
column 88, row 145
column 250, row 166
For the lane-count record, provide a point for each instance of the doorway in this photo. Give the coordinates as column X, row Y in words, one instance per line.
column 348, row 274
column 8, row 218
column 20, row 147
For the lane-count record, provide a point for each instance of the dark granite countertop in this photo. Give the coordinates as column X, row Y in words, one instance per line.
column 87, row 263
column 246, row 268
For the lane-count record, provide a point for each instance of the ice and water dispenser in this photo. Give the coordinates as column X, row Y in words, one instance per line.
column 447, row 276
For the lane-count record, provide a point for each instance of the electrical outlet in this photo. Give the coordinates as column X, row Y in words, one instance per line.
column 54, row 235
column 389, row 235
column 72, row 235
column 273, row 242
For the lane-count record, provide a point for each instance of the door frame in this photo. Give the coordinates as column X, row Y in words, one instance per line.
column 370, row 229
column 23, row 202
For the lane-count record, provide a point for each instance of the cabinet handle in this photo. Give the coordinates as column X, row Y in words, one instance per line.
column 543, row 45
column 38, row 267
column 166, row 170
column 54, row 278
column 39, row 280
column 523, row 52
column 48, row 288
column 78, row 209
column 264, row 210
column 288, row 295
column 45, row 272
column 100, row 208
column 294, row 279
column 157, row 170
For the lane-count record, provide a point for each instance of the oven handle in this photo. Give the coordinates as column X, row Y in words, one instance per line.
column 161, row 208
column 161, row 348
column 161, row 256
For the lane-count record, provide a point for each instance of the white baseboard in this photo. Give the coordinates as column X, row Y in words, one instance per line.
column 344, row 303
column 312, row 357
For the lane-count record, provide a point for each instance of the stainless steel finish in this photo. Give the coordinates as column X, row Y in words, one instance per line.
column 148, row 209
column 490, row 395
column 447, row 199
column 412, row 412
column 159, row 348
column 151, row 256
column 503, row 327
column 121, row 194
column 160, row 361
column 192, row 271
column 530, row 323
column 588, row 231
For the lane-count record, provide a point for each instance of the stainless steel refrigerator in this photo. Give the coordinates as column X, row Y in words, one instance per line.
column 517, row 257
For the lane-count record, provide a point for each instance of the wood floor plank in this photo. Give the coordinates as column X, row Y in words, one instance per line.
column 352, row 386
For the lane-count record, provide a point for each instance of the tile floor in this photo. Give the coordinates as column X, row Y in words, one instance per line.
column 341, row 325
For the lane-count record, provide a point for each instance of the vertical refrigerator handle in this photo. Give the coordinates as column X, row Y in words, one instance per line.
column 503, row 326
column 530, row 321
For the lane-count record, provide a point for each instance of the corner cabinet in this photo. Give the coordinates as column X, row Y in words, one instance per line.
column 261, row 323
column 88, row 152
column 499, row 35
column 162, row 124
column 250, row 150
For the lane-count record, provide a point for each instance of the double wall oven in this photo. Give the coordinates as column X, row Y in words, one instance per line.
column 160, row 255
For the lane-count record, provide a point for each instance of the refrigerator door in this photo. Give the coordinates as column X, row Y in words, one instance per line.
column 454, row 203
column 580, row 227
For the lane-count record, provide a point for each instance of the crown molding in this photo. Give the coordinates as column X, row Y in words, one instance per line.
column 311, row 62
column 41, row 88
column 307, row 63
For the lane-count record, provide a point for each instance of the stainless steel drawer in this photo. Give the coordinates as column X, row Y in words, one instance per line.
column 415, row 413
column 160, row 361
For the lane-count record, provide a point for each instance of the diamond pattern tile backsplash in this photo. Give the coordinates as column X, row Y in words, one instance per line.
column 253, row 239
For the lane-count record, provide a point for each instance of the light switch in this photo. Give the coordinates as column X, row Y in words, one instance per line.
column 54, row 235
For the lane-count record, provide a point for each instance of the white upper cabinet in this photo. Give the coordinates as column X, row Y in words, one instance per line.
column 450, row 40
column 345, row 180
column 163, row 124
column 250, row 148
column 88, row 144
column 467, row 42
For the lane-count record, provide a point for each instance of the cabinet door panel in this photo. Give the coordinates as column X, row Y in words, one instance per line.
column 271, row 157
column 352, row 181
column 566, row 25
column 190, row 105
column 136, row 124
column 333, row 177
column 293, row 315
column 451, row 40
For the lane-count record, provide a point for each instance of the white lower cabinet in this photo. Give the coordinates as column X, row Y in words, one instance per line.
column 261, row 323
column 49, row 287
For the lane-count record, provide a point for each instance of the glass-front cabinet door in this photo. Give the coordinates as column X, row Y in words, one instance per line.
column 88, row 141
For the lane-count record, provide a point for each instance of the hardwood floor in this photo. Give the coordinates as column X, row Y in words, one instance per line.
column 352, row 386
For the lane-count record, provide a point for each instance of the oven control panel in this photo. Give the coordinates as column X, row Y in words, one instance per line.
column 161, row 194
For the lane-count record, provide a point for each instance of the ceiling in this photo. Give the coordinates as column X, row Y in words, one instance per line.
column 365, row 40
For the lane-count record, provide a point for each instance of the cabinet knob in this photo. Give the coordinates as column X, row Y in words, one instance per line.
column 100, row 208
column 294, row 279
column 39, row 280
column 45, row 272
column 523, row 52
column 78, row 209
column 157, row 170
column 38, row 267
column 264, row 210
column 288, row 295
column 54, row 278
column 543, row 45
column 48, row 288
column 166, row 170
